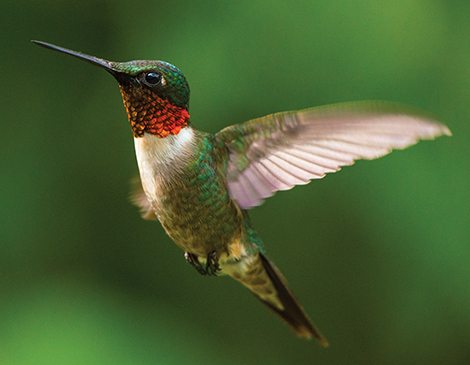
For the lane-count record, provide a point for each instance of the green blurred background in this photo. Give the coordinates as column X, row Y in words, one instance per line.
column 378, row 254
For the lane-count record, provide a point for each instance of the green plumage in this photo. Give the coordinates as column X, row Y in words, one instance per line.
column 198, row 213
column 177, row 90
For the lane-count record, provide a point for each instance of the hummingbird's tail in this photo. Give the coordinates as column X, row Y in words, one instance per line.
column 271, row 288
column 292, row 311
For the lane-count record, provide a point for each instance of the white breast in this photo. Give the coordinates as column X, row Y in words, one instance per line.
column 160, row 159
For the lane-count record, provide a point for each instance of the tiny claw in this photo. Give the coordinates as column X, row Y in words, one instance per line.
column 192, row 259
column 212, row 264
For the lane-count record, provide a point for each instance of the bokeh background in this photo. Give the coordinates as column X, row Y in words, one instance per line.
column 378, row 253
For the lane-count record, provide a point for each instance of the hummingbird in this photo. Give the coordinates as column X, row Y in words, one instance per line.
column 200, row 185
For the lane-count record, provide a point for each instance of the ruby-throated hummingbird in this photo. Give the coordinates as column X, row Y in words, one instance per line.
column 200, row 185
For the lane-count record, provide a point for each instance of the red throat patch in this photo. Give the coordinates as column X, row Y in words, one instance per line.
column 149, row 113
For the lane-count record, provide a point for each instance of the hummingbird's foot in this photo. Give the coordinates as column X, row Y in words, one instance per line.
column 192, row 259
column 212, row 264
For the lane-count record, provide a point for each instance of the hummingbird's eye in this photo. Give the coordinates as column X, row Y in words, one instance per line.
column 152, row 78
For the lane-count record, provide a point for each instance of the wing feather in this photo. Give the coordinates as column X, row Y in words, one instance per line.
column 282, row 150
column 261, row 186
column 287, row 164
column 313, row 171
column 273, row 179
column 320, row 163
column 250, row 194
column 139, row 199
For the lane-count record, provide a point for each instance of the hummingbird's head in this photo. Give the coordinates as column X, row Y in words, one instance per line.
column 155, row 93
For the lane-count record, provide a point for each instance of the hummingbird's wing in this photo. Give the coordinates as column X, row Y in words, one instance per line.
column 285, row 149
column 139, row 199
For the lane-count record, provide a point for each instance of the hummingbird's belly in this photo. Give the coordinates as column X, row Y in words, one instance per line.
column 183, row 177
column 200, row 218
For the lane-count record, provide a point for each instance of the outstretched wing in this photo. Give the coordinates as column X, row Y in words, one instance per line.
column 282, row 150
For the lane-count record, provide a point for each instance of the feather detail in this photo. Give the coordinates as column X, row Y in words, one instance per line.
column 139, row 199
column 282, row 150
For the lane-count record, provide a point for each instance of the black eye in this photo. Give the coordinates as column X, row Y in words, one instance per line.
column 152, row 78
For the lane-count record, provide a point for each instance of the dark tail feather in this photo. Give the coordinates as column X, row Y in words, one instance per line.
column 293, row 312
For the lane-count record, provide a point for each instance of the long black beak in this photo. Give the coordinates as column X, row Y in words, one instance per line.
column 107, row 65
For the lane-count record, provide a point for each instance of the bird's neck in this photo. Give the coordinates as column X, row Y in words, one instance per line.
column 148, row 113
